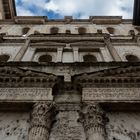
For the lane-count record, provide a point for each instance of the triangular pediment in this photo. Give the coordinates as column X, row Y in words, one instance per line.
column 13, row 76
column 117, row 75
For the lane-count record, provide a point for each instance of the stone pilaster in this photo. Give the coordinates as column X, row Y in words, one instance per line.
column 41, row 120
column 93, row 120
column 22, row 51
column 59, row 54
column 111, row 49
column 76, row 54
column 29, row 54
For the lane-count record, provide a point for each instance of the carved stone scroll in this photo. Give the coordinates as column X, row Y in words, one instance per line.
column 41, row 120
column 93, row 120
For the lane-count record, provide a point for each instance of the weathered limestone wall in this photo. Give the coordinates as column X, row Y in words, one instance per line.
column 10, row 50
column 123, row 126
column 67, row 127
column 124, row 50
column 14, row 126
column 121, row 29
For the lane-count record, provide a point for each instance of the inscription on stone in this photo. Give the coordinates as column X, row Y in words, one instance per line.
column 25, row 94
column 113, row 94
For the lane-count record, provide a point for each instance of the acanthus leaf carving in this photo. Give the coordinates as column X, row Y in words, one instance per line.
column 42, row 117
column 93, row 119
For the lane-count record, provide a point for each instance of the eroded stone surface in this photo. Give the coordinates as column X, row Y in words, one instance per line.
column 14, row 126
column 123, row 126
column 66, row 127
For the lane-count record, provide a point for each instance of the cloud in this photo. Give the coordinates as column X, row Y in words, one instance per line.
column 24, row 12
column 76, row 8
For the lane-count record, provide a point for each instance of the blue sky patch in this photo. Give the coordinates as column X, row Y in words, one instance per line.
column 56, row 9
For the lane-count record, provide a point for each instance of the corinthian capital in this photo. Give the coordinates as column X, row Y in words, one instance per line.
column 93, row 119
column 41, row 120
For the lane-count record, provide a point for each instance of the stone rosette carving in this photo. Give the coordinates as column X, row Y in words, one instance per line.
column 42, row 117
column 93, row 119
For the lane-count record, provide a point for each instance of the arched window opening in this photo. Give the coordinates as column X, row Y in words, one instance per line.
column 45, row 58
column 132, row 58
column 81, row 30
column 54, row 30
column 89, row 58
column 25, row 30
column 111, row 30
column 4, row 58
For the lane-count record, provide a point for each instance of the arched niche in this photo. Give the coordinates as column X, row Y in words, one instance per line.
column 4, row 58
column 132, row 58
column 111, row 30
column 89, row 58
column 45, row 58
column 82, row 30
column 54, row 30
column 25, row 30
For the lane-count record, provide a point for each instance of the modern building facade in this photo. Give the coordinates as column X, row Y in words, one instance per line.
column 68, row 79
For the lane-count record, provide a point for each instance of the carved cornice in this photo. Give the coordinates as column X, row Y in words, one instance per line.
column 121, row 76
column 17, row 77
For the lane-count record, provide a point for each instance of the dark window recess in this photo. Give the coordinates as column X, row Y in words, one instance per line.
column 81, row 30
column 25, row 30
column 89, row 58
column 111, row 30
column 4, row 58
column 54, row 30
column 132, row 58
column 45, row 58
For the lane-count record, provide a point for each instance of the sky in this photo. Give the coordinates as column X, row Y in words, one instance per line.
column 79, row 9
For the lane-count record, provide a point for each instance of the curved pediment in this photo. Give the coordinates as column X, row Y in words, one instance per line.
column 18, row 77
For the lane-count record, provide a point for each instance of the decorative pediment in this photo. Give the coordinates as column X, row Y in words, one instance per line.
column 18, row 77
column 120, row 75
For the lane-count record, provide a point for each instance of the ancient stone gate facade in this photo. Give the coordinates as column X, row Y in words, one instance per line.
column 68, row 79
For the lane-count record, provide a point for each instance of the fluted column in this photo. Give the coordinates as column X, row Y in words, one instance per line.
column 93, row 120
column 41, row 120
column 111, row 49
